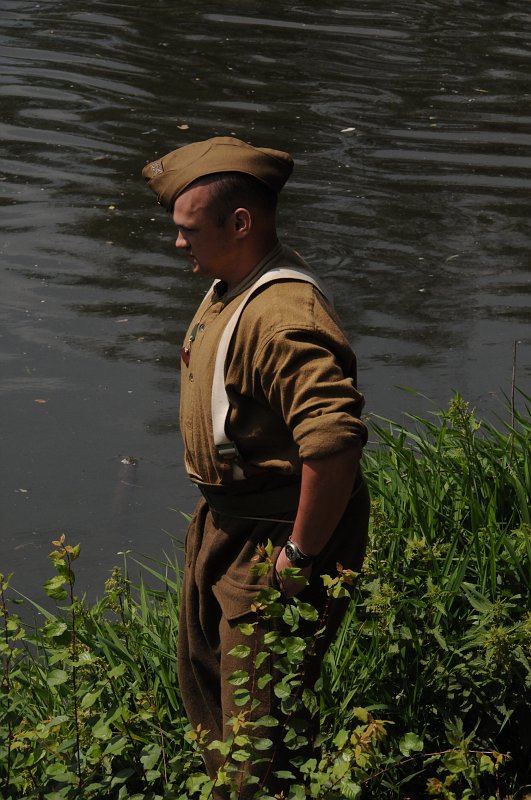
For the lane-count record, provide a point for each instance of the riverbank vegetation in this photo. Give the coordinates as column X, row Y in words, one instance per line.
column 425, row 693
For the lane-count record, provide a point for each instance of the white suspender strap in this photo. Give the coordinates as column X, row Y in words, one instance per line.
column 220, row 401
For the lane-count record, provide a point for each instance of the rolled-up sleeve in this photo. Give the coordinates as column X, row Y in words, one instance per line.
column 305, row 382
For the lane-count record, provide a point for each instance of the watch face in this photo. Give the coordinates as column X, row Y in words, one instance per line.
column 290, row 551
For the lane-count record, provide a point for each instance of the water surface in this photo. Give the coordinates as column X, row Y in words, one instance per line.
column 410, row 125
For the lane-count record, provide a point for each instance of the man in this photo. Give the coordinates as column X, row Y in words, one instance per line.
column 270, row 418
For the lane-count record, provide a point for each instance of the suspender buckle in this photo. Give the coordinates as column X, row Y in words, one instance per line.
column 227, row 452
column 230, row 470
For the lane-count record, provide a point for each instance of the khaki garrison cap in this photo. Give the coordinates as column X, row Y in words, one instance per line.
column 174, row 172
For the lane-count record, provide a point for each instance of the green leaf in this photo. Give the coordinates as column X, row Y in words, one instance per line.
column 477, row 600
column 282, row 690
column 239, row 677
column 297, row 792
column 85, row 657
column 221, row 747
column 361, row 713
column 59, row 654
column 116, row 672
column 339, row 591
column 241, row 697
column 263, row 744
column 411, row 743
column 101, row 730
column 56, row 677
column 455, row 762
column 310, row 702
column 55, row 628
column 121, row 776
column 60, row 773
column 487, row 764
column 260, row 568
column 310, row 765
column 295, row 647
column 340, row 739
column 241, row 755
column 116, row 747
column 49, row 728
column 54, row 587
column 349, row 789
column 291, row 616
column 94, row 753
column 275, row 610
column 308, row 612
column 74, row 552
column 240, row 651
column 196, row 781
column 340, row 768
column 267, row 721
column 260, row 658
column 90, row 698
column 246, row 628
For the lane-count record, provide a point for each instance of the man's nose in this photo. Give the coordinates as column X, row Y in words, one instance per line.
column 181, row 241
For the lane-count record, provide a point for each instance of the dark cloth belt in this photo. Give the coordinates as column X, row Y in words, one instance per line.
column 253, row 498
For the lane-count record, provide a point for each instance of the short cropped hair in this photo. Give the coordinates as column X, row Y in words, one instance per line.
column 232, row 190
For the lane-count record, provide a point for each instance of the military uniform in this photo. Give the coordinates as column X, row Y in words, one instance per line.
column 291, row 381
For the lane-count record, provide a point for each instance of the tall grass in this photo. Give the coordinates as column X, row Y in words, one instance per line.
column 439, row 634
column 437, row 642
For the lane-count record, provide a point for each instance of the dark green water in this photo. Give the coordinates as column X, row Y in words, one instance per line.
column 410, row 124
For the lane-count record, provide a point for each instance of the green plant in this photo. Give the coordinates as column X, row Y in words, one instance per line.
column 439, row 626
column 90, row 700
column 425, row 691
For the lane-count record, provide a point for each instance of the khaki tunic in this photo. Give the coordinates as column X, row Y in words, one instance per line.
column 290, row 378
column 291, row 381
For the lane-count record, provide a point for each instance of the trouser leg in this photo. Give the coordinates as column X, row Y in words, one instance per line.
column 198, row 663
column 217, row 596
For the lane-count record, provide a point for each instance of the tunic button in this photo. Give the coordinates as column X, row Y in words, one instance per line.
column 191, row 377
column 202, row 327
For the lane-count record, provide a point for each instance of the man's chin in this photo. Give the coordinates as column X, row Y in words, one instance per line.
column 199, row 269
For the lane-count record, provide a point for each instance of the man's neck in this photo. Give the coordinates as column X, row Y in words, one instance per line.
column 229, row 290
column 250, row 261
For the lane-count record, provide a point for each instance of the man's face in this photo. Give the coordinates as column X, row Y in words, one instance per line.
column 208, row 246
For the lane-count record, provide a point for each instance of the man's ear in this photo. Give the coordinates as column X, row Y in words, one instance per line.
column 242, row 221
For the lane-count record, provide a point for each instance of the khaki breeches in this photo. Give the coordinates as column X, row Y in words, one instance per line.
column 217, row 594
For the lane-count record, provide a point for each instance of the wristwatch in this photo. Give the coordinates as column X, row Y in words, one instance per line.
column 296, row 556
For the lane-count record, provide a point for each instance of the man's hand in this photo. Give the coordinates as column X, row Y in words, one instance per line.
column 290, row 586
